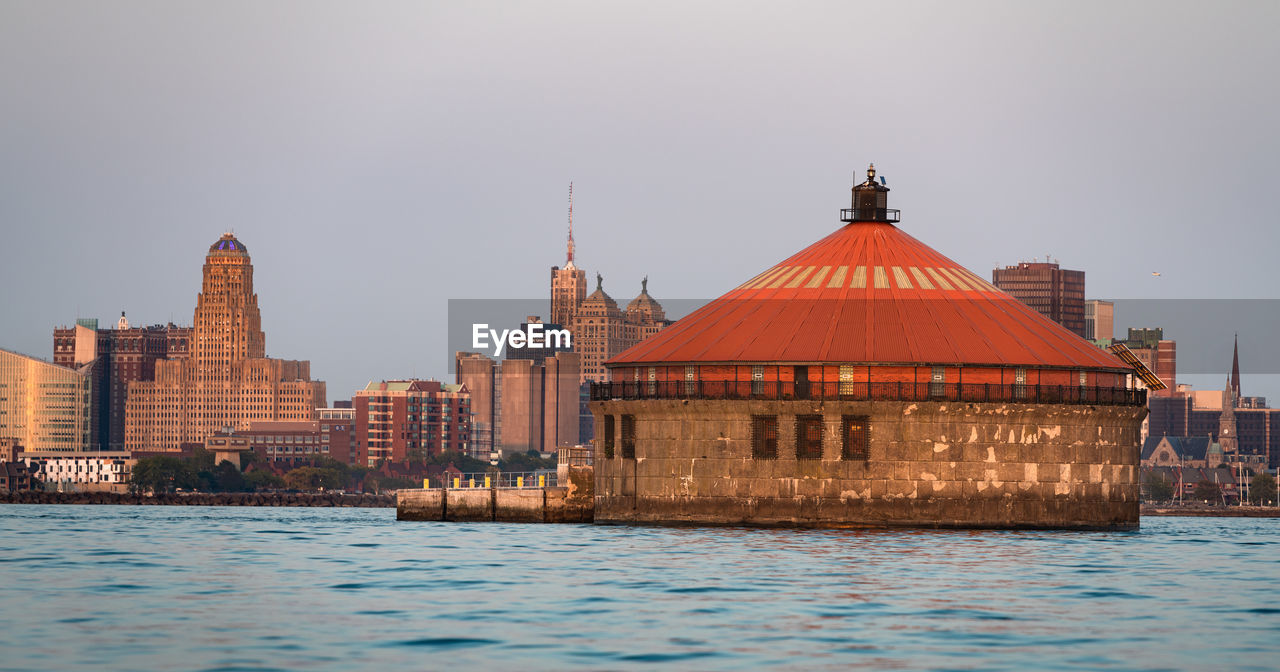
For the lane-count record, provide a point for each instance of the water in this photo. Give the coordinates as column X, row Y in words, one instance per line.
column 87, row 587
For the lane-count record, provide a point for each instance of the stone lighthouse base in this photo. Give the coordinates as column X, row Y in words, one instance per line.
column 926, row 464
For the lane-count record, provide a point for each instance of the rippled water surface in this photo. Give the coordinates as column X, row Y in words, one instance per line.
column 119, row 587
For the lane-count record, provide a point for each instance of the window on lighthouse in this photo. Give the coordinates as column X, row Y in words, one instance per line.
column 764, row 437
column 855, row 435
column 628, row 437
column 608, row 436
column 808, row 437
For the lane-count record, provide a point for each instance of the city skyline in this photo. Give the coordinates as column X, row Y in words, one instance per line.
column 421, row 153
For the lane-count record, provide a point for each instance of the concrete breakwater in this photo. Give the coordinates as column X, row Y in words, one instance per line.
column 322, row 499
column 502, row 505
column 571, row 502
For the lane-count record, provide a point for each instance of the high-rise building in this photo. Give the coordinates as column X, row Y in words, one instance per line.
column 600, row 331
column 535, row 403
column 118, row 357
column 43, row 406
column 568, row 284
column 1054, row 292
column 479, row 375
column 550, row 339
column 399, row 419
column 540, row 403
column 1099, row 320
column 227, row 380
column 599, row 328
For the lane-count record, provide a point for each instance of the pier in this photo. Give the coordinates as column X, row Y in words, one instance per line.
column 571, row 500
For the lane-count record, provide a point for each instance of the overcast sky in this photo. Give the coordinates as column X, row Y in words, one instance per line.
column 381, row 158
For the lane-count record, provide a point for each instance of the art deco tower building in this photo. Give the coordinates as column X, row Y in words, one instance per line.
column 568, row 284
column 228, row 326
column 227, row 381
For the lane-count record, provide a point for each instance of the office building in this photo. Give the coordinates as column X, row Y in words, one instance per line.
column 226, row 380
column 117, row 357
column 45, row 407
column 1054, row 292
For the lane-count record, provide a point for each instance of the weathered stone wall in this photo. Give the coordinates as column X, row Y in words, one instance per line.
column 468, row 505
column 420, row 504
column 930, row 464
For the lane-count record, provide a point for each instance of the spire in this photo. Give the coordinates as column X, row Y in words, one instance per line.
column 569, row 260
column 1235, row 367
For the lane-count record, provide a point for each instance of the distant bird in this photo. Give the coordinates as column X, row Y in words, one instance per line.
column 1155, row 273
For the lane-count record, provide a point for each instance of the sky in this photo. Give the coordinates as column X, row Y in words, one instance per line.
column 380, row 159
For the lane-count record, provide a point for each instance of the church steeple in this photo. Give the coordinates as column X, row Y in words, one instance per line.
column 1235, row 367
column 1227, row 422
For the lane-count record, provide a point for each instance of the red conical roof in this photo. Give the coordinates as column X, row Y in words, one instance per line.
column 871, row 294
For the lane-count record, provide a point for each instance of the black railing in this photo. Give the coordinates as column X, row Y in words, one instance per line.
column 863, row 391
column 868, row 215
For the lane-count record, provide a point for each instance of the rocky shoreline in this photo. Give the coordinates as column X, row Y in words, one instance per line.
column 321, row 499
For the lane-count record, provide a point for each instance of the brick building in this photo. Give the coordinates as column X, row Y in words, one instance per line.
column 338, row 431
column 116, row 357
column 1054, row 292
column 397, row 419
column 285, row 443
